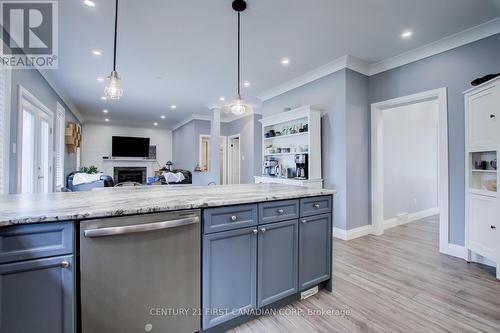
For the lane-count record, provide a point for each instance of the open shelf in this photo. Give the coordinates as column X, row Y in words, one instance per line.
column 287, row 154
column 483, row 178
column 287, row 136
column 486, row 171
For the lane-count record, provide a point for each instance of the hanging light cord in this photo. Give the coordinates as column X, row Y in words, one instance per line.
column 239, row 85
column 116, row 31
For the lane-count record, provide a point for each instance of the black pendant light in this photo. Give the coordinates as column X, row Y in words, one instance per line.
column 113, row 89
column 238, row 107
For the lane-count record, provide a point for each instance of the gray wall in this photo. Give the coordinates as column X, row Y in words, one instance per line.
column 34, row 82
column 453, row 69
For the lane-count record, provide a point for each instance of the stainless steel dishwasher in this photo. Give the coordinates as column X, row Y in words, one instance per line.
column 141, row 273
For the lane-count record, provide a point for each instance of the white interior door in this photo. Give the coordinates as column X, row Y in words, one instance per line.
column 234, row 161
column 36, row 149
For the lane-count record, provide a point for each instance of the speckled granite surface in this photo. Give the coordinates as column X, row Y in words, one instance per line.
column 52, row 207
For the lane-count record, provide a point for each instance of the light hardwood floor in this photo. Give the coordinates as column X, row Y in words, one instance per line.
column 397, row 282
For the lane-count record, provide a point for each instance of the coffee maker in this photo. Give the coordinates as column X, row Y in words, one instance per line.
column 271, row 168
column 301, row 166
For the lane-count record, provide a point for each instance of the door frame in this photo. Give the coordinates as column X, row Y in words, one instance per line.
column 6, row 131
column 24, row 94
column 377, row 165
column 229, row 158
column 224, row 160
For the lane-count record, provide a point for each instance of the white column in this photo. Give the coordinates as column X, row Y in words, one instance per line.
column 215, row 145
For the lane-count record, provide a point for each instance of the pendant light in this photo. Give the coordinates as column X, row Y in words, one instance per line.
column 238, row 107
column 113, row 89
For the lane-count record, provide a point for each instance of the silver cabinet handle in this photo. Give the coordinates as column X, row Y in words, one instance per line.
column 65, row 264
column 493, row 227
column 138, row 228
column 492, row 116
column 234, row 218
column 255, row 231
column 316, row 205
column 263, row 230
column 304, row 221
column 280, row 211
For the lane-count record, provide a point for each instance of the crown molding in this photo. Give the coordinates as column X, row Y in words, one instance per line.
column 468, row 36
column 465, row 37
column 224, row 119
column 73, row 109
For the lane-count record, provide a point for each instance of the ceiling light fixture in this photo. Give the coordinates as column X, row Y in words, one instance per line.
column 96, row 52
column 105, row 111
column 238, row 107
column 406, row 34
column 100, row 79
column 106, row 120
column 222, row 99
column 162, row 117
column 285, row 61
column 246, row 84
column 104, row 98
column 156, row 124
column 114, row 90
column 173, row 107
column 89, row 3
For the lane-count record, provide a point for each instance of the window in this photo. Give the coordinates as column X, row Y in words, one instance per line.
column 4, row 129
column 59, row 155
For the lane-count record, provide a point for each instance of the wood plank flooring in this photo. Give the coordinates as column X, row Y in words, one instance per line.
column 397, row 282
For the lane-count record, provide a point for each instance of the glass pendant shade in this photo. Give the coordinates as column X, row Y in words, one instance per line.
column 238, row 108
column 113, row 89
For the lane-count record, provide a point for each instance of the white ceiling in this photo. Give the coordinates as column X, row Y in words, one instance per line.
column 190, row 44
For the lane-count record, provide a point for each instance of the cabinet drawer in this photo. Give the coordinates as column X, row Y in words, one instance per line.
column 23, row 242
column 275, row 211
column 483, row 225
column 315, row 205
column 229, row 218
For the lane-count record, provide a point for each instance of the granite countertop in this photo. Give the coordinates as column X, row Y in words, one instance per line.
column 52, row 207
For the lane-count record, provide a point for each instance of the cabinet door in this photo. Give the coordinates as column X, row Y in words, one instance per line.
column 484, row 227
column 229, row 275
column 483, row 113
column 37, row 296
column 314, row 250
column 277, row 261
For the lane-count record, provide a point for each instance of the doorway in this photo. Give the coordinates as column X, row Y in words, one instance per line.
column 378, row 168
column 205, row 156
column 234, row 167
column 35, row 145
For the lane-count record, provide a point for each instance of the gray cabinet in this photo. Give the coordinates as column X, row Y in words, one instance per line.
column 275, row 211
column 229, row 275
column 37, row 296
column 229, row 218
column 277, row 261
column 314, row 250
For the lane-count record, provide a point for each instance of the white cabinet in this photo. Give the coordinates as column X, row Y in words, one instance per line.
column 482, row 202
column 484, row 236
column 483, row 113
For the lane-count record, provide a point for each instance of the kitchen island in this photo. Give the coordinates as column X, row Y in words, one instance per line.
column 135, row 254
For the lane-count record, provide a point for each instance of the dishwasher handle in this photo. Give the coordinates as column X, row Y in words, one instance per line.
column 138, row 228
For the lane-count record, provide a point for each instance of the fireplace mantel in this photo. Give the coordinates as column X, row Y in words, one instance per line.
column 108, row 165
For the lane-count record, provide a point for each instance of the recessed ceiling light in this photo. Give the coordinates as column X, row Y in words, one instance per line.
column 173, row 106
column 156, row 124
column 285, row 61
column 222, row 99
column 104, row 98
column 246, row 84
column 106, row 120
column 105, row 111
column 162, row 117
column 96, row 52
column 100, row 79
column 89, row 3
column 406, row 34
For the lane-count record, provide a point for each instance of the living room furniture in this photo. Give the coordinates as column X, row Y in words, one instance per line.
column 105, row 181
column 482, row 203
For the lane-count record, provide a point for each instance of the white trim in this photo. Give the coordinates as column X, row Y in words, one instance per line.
column 448, row 43
column 352, row 233
column 224, row 160
column 377, row 166
column 6, row 131
column 347, row 61
column 59, row 146
column 229, row 160
column 61, row 93
column 226, row 119
column 393, row 222
column 454, row 250
column 25, row 95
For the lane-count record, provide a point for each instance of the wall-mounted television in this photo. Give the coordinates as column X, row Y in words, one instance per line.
column 126, row 146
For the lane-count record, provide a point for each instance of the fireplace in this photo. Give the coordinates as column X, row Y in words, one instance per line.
column 130, row 174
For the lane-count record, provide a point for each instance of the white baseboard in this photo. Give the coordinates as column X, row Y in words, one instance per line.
column 393, row 222
column 460, row 251
column 352, row 233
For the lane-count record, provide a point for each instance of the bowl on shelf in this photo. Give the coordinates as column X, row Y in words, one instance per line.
column 494, row 164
